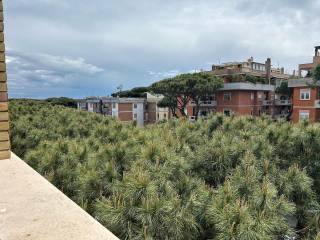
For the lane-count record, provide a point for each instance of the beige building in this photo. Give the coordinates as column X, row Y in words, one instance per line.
column 142, row 110
column 251, row 68
column 153, row 112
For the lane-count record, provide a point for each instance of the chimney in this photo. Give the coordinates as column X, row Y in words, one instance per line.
column 268, row 70
column 4, row 116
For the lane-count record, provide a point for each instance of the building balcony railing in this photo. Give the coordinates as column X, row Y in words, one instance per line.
column 267, row 102
column 317, row 103
column 283, row 102
column 205, row 103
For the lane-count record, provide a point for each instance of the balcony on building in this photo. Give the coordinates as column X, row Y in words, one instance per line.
column 267, row 102
column 207, row 103
column 286, row 102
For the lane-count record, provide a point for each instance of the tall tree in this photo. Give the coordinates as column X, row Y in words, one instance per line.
column 284, row 89
column 186, row 87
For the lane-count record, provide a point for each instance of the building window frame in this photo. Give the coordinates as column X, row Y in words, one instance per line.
column 305, row 94
column 227, row 112
column 135, row 116
column 135, row 105
column 252, row 96
column 304, row 115
column 227, row 96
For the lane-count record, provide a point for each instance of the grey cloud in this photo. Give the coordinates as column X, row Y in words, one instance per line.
column 138, row 42
column 27, row 71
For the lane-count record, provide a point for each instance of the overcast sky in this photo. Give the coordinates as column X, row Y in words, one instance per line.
column 78, row 48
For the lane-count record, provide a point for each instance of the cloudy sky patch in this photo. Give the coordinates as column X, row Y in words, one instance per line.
column 76, row 48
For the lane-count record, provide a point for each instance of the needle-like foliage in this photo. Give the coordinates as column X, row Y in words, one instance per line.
column 220, row 178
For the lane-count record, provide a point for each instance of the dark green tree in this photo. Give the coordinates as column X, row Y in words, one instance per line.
column 171, row 103
column 284, row 89
column 316, row 73
column 137, row 92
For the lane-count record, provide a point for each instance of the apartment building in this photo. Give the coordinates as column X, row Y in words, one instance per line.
column 241, row 97
column 306, row 103
column 142, row 110
column 250, row 68
column 93, row 104
column 245, row 99
column 306, row 94
column 124, row 109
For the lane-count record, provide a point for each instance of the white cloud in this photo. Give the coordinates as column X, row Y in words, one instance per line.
column 165, row 74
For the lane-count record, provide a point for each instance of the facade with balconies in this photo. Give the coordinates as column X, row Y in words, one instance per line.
column 241, row 98
column 250, row 68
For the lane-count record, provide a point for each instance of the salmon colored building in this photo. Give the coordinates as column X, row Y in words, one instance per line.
column 238, row 98
column 245, row 98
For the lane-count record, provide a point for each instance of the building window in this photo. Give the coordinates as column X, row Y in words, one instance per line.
column 227, row 96
column 252, row 96
column 304, row 115
column 165, row 115
column 135, row 106
column 113, row 105
column 259, row 95
column 305, row 94
column 227, row 112
column 135, row 116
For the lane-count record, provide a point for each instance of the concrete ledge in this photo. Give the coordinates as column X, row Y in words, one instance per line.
column 32, row 208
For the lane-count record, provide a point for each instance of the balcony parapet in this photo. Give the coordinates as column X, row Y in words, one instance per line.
column 32, row 208
column 267, row 102
column 283, row 102
column 205, row 103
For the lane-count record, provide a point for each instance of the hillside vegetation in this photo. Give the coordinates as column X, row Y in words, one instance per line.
column 224, row 178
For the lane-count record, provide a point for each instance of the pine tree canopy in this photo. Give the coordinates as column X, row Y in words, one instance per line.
column 221, row 178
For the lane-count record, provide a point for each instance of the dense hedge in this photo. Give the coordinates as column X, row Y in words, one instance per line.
column 221, row 178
